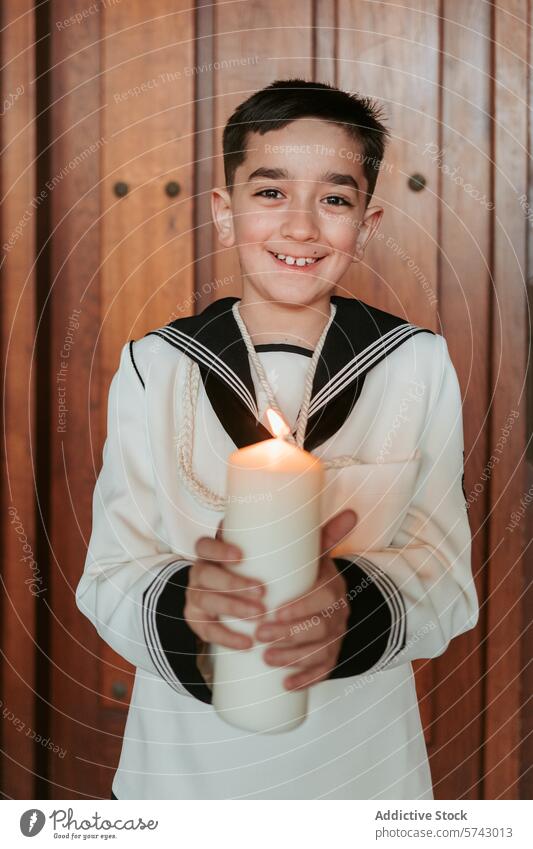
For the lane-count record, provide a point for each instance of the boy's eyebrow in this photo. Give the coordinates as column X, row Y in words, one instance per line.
column 329, row 177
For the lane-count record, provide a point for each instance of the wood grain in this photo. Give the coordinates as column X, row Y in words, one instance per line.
column 17, row 331
column 508, row 361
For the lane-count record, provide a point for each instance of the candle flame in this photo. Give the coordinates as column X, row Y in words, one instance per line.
column 278, row 425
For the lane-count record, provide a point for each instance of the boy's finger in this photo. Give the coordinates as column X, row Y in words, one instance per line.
column 300, row 656
column 280, row 635
column 220, row 529
column 302, row 680
column 336, row 529
column 305, row 606
column 217, row 604
column 223, row 636
column 213, row 549
column 212, row 577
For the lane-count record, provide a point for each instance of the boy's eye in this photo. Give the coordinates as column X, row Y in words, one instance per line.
column 276, row 194
column 343, row 201
column 268, row 193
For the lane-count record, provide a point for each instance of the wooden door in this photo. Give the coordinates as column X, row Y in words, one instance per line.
column 139, row 102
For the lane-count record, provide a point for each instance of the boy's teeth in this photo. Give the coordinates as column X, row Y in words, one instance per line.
column 291, row 260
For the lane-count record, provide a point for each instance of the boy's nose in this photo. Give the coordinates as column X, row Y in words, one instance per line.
column 299, row 224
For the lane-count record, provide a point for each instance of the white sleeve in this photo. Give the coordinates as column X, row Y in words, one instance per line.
column 133, row 585
column 409, row 600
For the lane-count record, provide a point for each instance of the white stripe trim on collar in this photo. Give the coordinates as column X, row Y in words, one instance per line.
column 361, row 356
column 216, row 364
column 360, row 362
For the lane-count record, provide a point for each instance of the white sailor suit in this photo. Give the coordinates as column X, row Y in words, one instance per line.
column 384, row 392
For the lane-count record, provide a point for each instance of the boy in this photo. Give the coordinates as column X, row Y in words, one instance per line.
column 301, row 162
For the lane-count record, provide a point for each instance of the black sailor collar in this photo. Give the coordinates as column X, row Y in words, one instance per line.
column 359, row 337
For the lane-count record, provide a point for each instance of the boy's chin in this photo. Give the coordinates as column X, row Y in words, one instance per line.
column 303, row 291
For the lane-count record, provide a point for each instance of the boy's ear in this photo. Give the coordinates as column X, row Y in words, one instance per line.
column 367, row 229
column 223, row 216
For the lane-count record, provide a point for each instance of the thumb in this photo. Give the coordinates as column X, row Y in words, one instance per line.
column 336, row 529
column 219, row 532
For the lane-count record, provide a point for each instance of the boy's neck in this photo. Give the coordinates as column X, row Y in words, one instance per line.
column 272, row 321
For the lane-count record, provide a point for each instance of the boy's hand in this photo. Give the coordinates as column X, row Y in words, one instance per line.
column 213, row 590
column 308, row 638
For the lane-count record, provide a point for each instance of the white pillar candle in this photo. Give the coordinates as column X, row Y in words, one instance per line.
column 273, row 514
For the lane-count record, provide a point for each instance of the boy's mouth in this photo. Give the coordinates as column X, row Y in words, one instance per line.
column 296, row 263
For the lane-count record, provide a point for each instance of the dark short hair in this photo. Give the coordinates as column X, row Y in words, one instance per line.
column 284, row 101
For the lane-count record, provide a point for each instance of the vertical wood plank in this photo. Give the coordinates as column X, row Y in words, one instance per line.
column 204, row 151
column 22, row 579
column 509, row 337
column 526, row 725
column 75, row 175
column 325, row 50
column 462, row 152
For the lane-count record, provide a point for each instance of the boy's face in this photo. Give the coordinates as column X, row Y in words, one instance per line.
column 299, row 193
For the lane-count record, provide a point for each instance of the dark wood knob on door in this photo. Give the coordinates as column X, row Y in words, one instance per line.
column 118, row 689
column 121, row 189
column 416, row 182
column 172, row 189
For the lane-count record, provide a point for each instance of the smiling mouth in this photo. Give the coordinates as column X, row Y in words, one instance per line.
column 294, row 262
